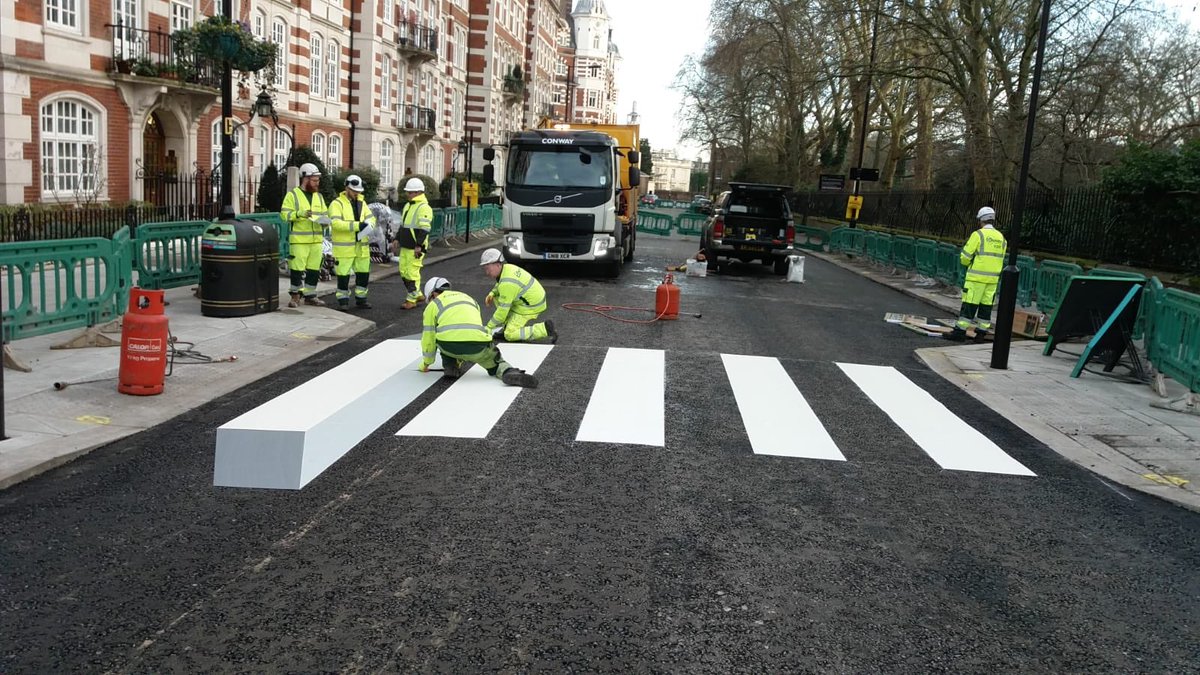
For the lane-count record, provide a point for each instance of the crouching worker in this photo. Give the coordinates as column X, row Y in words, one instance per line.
column 453, row 326
column 519, row 300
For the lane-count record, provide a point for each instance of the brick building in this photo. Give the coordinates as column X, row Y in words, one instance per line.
column 98, row 105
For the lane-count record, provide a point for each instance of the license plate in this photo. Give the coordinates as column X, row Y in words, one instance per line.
column 752, row 248
column 556, row 256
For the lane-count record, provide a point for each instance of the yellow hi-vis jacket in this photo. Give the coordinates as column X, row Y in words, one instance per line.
column 415, row 223
column 453, row 316
column 516, row 291
column 983, row 255
column 303, row 229
column 346, row 224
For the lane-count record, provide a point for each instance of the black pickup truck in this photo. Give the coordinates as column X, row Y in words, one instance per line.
column 751, row 222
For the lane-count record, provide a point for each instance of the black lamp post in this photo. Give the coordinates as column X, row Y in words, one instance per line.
column 1010, row 276
column 227, row 212
column 862, row 131
column 467, row 145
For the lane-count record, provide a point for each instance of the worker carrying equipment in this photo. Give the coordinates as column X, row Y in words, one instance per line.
column 352, row 224
column 413, row 239
column 453, row 326
column 519, row 300
column 983, row 256
column 303, row 210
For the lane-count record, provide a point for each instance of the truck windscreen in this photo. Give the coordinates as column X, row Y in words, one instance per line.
column 560, row 166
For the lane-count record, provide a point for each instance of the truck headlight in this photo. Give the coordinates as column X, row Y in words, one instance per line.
column 513, row 243
column 600, row 246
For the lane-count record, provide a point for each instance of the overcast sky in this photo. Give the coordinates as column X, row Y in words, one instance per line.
column 654, row 36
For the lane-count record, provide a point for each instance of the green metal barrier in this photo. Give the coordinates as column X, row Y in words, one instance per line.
column 925, row 254
column 281, row 229
column 869, row 239
column 167, row 255
column 1052, row 280
column 883, row 249
column 857, row 241
column 1173, row 334
column 811, row 238
column 949, row 269
column 1120, row 274
column 838, row 239
column 60, row 284
column 655, row 223
column 690, row 223
column 1027, row 281
column 904, row 253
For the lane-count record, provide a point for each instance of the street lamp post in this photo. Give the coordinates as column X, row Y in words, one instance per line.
column 468, row 144
column 862, row 131
column 227, row 212
column 1010, row 275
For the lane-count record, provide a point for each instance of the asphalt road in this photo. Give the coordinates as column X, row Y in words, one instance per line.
column 529, row 550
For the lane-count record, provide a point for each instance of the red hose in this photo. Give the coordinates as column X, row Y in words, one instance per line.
column 603, row 310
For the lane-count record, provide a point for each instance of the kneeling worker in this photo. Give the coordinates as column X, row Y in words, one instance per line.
column 519, row 300
column 453, row 325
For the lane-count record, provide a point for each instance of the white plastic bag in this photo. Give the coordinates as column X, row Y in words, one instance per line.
column 696, row 268
column 795, row 273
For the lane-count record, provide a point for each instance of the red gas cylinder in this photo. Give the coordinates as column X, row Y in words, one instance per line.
column 143, row 344
column 666, row 300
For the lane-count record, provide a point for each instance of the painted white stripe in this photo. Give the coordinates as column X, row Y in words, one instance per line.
column 951, row 442
column 627, row 401
column 289, row 440
column 473, row 405
column 777, row 418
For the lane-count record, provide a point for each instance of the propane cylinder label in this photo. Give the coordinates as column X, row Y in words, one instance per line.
column 144, row 349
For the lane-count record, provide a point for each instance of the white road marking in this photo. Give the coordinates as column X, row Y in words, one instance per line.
column 473, row 404
column 777, row 418
column 627, row 401
column 948, row 440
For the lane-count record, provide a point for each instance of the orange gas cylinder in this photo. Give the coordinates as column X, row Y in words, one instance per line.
column 666, row 300
column 143, row 344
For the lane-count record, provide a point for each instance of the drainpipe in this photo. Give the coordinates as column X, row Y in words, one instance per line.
column 350, row 98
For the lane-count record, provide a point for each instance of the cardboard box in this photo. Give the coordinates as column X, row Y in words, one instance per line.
column 1029, row 324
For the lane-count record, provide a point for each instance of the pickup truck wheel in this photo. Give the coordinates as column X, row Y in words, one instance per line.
column 781, row 265
column 714, row 263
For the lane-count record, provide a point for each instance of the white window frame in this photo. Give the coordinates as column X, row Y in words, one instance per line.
column 260, row 158
column 427, row 160
column 318, row 145
column 316, row 60
column 183, row 14
column 387, row 156
column 593, row 98
column 260, row 25
column 385, row 87
column 279, row 156
column 72, row 133
column 333, row 70
column 460, row 47
column 239, row 142
column 335, row 153
column 280, row 36
column 64, row 14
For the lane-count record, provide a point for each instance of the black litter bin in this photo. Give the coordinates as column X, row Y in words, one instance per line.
column 239, row 269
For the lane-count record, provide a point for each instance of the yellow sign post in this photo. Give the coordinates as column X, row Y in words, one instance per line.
column 470, row 194
column 853, row 206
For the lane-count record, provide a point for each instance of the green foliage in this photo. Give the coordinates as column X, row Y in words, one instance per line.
column 647, row 163
column 1144, row 170
column 370, row 178
column 699, row 182
column 304, row 155
column 485, row 189
column 271, row 189
column 219, row 39
column 1158, row 192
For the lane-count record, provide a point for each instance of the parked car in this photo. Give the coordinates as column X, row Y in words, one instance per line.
column 650, row 199
column 702, row 205
column 751, row 221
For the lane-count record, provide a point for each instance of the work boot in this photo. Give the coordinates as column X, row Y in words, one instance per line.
column 362, row 304
column 453, row 370
column 408, row 304
column 498, row 336
column 980, row 335
column 519, row 378
column 313, row 301
column 956, row 335
column 344, row 304
column 551, row 334
column 295, row 301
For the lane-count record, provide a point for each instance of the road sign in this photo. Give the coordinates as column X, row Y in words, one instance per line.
column 866, row 175
column 470, row 194
column 831, row 182
column 853, row 206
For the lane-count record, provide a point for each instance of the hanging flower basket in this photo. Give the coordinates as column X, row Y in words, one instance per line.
column 221, row 40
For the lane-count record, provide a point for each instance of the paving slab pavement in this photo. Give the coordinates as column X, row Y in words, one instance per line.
column 49, row 426
column 1116, row 428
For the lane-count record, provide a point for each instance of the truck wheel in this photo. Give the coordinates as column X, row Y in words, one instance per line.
column 632, row 245
column 781, row 265
column 714, row 263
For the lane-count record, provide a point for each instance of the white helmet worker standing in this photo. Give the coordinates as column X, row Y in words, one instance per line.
column 352, row 223
column 304, row 210
column 985, row 214
column 983, row 256
column 452, row 325
column 413, row 239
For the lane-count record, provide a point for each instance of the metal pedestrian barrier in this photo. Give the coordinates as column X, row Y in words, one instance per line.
column 904, row 253
column 925, row 253
column 659, row 224
column 1173, row 333
column 690, row 223
column 948, row 266
column 1052, row 280
column 167, row 255
column 811, row 238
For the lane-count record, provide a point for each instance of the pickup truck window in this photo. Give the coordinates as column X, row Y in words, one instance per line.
column 560, row 167
column 758, row 204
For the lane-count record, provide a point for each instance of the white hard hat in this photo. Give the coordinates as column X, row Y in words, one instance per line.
column 490, row 255
column 414, row 185
column 354, row 182
column 309, row 169
column 986, row 213
column 434, row 285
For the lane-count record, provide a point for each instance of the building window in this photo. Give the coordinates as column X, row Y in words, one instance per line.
column 239, row 141
column 70, row 149
column 593, row 99
column 318, row 143
column 335, row 153
column 333, row 70
column 279, row 33
column 460, row 47
column 596, row 41
column 181, row 15
column 385, row 163
column 282, row 149
column 63, row 14
column 260, row 25
column 456, row 110
column 427, row 161
column 260, row 158
column 385, row 89
column 315, row 79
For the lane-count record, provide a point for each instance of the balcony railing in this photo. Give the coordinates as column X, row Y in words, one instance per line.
column 152, row 53
column 417, row 41
column 416, row 119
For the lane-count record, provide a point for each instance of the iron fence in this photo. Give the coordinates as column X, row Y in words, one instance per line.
column 154, row 53
column 413, row 35
column 1160, row 232
column 416, row 118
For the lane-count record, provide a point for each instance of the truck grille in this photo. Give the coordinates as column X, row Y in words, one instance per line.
column 558, row 232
